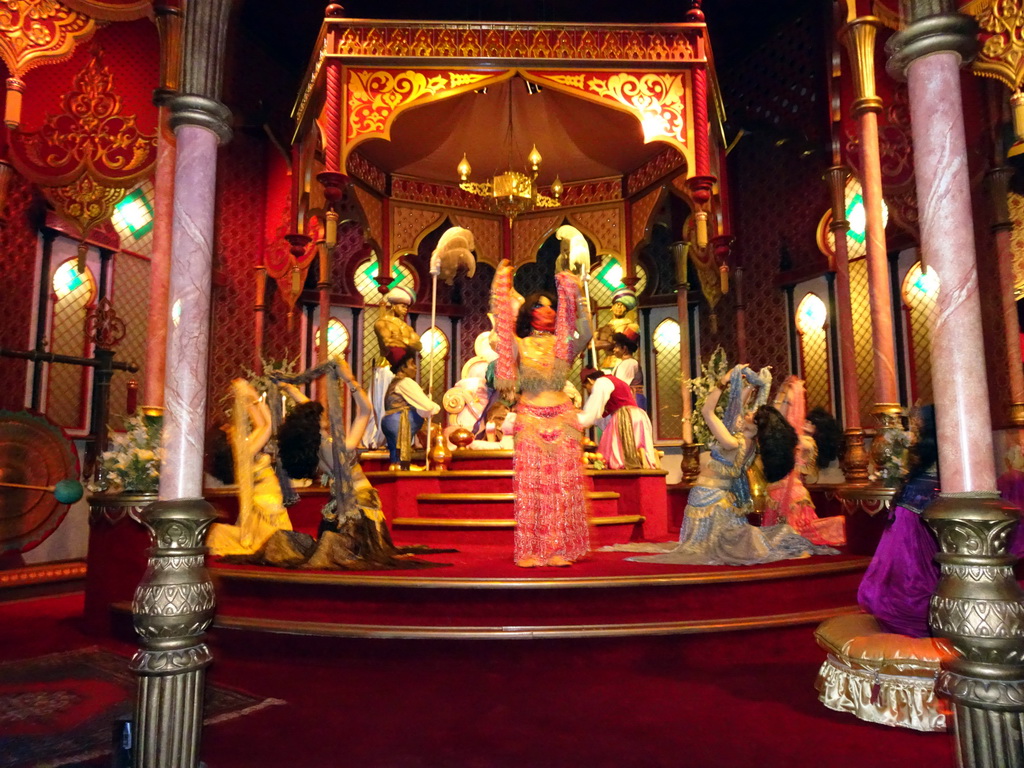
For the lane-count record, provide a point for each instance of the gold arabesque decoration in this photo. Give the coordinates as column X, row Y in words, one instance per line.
column 1002, row 40
column 34, row 32
column 657, row 100
column 89, row 156
column 376, row 96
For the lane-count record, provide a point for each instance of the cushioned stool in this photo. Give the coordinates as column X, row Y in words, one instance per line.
column 881, row 677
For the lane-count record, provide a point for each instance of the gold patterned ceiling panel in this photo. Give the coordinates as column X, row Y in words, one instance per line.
column 641, row 215
column 373, row 211
column 409, row 225
column 487, row 235
column 604, row 226
column 528, row 233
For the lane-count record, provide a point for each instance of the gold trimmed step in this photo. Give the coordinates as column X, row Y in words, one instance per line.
column 397, row 631
column 469, row 498
column 451, row 522
column 708, row 575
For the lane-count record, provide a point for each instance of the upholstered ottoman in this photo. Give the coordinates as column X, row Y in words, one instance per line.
column 879, row 676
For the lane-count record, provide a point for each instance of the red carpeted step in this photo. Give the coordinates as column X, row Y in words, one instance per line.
column 602, row 596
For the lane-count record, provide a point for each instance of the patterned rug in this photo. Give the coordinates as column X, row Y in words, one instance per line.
column 60, row 709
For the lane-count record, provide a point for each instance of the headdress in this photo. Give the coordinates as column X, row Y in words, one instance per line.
column 400, row 295
column 627, row 337
column 625, row 297
column 586, row 373
column 734, row 410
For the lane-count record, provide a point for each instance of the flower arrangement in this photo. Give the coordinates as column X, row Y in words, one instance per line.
column 889, row 456
column 711, row 371
column 261, row 381
column 132, row 464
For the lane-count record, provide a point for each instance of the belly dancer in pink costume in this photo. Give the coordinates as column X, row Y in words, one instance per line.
column 536, row 348
column 789, row 501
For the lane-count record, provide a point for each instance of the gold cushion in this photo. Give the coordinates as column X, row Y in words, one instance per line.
column 859, row 642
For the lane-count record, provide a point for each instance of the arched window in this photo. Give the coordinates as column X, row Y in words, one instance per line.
column 367, row 285
column 667, row 370
column 67, row 385
column 337, row 338
column 434, row 363
column 920, row 294
column 811, row 319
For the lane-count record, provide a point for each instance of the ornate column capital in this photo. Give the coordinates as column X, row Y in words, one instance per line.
column 859, row 38
column 202, row 69
column 935, row 27
column 998, row 181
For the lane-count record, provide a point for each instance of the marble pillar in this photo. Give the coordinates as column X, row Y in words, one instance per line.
column 160, row 267
column 855, row 458
column 859, row 37
column 181, row 471
column 175, row 601
column 978, row 606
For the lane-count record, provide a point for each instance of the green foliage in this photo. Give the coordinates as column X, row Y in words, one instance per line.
column 716, row 367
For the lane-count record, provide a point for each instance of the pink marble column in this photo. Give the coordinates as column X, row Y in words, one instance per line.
column 844, row 302
column 882, row 339
column 160, row 266
column 947, row 246
column 181, row 473
column 855, row 458
column 859, row 36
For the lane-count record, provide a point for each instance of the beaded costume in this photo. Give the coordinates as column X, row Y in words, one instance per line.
column 548, row 479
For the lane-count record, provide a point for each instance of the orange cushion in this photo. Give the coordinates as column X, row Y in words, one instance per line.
column 858, row 641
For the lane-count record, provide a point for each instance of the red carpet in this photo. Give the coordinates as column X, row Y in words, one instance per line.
column 734, row 699
column 58, row 709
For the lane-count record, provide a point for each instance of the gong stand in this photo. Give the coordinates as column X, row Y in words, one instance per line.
column 106, row 330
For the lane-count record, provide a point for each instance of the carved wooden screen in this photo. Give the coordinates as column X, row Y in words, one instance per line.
column 434, row 363
column 337, row 339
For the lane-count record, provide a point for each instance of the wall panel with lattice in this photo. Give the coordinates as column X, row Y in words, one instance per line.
column 812, row 332
column 863, row 343
column 668, row 400
column 920, row 293
column 130, row 297
column 19, row 246
column 241, row 203
column 67, row 386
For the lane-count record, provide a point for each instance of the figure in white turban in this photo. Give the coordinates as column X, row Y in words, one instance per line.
column 623, row 304
column 396, row 338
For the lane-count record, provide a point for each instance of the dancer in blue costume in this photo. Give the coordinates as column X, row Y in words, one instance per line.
column 715, row 530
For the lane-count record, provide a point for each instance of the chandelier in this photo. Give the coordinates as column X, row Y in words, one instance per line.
column 512, row 192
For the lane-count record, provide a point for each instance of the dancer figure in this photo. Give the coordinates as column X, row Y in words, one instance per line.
column 623, row 302
column 536, row 348
column 715, row 530
column 395, row 337
column 898, row 584
column 261, row 511
column 788, row 500
column 627, row 437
